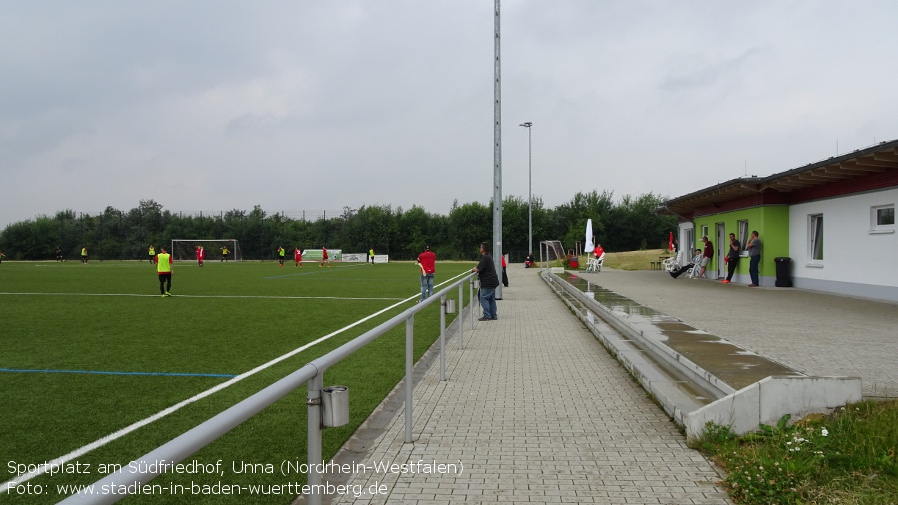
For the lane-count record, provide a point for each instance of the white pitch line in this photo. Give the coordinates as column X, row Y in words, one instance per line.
column 62, row 460
column 261, row 297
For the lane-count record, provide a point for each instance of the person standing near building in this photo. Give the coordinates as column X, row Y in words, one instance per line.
column 84, row 255
column 164, row 269
column 281, row 253
column 732, row 258
column 427, row 261
column 504, row 274
column 151, row 252
column 297, row 257
column 489, row 281
column 707, row 255
column 754, row 258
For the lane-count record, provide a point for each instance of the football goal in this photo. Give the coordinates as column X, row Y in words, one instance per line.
column 551, row 253
column 215, row 249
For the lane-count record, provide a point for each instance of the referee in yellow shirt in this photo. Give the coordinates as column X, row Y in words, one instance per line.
column 163, row 268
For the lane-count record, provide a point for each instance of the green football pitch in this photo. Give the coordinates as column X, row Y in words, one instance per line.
column 89, row 351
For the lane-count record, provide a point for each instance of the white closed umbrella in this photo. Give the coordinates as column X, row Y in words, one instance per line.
column 590, row 246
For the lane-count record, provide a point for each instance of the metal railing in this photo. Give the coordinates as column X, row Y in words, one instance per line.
column 312, row 374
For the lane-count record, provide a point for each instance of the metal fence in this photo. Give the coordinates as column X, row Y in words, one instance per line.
column 312, row 374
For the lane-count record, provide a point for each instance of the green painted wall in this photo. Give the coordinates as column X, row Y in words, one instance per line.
column 772, row 224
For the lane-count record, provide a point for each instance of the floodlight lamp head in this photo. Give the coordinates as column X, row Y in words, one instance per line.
column 528, row 124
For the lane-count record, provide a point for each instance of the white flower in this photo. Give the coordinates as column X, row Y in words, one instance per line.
column 824, row 432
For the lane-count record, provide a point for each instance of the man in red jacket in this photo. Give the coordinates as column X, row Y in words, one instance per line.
column 427, row 261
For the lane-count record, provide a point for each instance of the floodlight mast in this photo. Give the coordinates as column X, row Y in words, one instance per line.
column 497, row 158
column 527, row 125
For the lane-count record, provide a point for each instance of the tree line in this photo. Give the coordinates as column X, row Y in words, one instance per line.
column 625, row 225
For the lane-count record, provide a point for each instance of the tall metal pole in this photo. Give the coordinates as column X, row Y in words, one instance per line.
column 497, row 161
column 527, row 125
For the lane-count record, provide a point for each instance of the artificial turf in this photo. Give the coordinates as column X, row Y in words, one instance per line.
column 86, row 350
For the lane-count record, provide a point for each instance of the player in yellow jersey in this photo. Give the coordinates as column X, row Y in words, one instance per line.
column 164, row 268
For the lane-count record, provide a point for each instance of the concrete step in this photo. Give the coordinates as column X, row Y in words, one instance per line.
column 695, row 376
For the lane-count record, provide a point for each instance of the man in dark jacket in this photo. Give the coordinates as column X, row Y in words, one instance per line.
column 489, row 281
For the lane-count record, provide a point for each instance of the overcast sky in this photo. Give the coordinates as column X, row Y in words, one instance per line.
column 325, row 104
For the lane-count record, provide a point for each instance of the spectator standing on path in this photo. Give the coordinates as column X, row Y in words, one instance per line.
column 754, row 254
column 504, row 274
column 489, row 281
column 164, row 268
column 732, row 258
column 427, row 260
column 706, row 255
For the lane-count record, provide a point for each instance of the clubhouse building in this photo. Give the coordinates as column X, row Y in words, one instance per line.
column 827, row 226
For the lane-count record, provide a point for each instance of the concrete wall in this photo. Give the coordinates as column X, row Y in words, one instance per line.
column 857, row 259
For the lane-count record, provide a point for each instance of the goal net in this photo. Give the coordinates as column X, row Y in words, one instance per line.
column 551, row 253
column 214, row 249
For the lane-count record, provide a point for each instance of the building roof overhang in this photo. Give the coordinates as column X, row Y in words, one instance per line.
column 860, row 163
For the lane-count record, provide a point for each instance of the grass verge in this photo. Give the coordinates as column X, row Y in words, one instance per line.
column 848, row 456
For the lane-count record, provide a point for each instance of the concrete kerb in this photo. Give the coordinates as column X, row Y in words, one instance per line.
column 744, row 410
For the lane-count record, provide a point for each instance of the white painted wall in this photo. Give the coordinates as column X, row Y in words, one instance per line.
column 856, row 260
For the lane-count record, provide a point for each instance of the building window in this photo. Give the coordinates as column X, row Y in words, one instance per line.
column 704, row 230
column 882, row 218
column 742, row 236
column 816, row 237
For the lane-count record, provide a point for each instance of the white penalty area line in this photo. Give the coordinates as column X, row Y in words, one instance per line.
column 46, row 466
column 261, row 297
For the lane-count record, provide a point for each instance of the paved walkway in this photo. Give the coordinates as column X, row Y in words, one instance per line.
column 534, row 411
column 812, row 332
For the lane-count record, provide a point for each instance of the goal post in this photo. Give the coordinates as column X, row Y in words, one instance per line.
column 225, row 249
column 551, row 253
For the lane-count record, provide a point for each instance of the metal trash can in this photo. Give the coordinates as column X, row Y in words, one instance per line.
column 783, row 272
column 450, row 306
column 334, row 406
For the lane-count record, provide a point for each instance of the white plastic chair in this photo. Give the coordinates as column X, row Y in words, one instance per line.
column 595, row 264
column 693, row 272
column 673, row 263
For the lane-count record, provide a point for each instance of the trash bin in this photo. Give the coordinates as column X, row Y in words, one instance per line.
column 334, row 406
column 783, row 272
column 575, row 262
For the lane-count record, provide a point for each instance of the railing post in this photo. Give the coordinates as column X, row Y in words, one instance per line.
column 443, row 338
column 473, row 305
column 409, row 375
column 314, row 458
column 461, row 317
